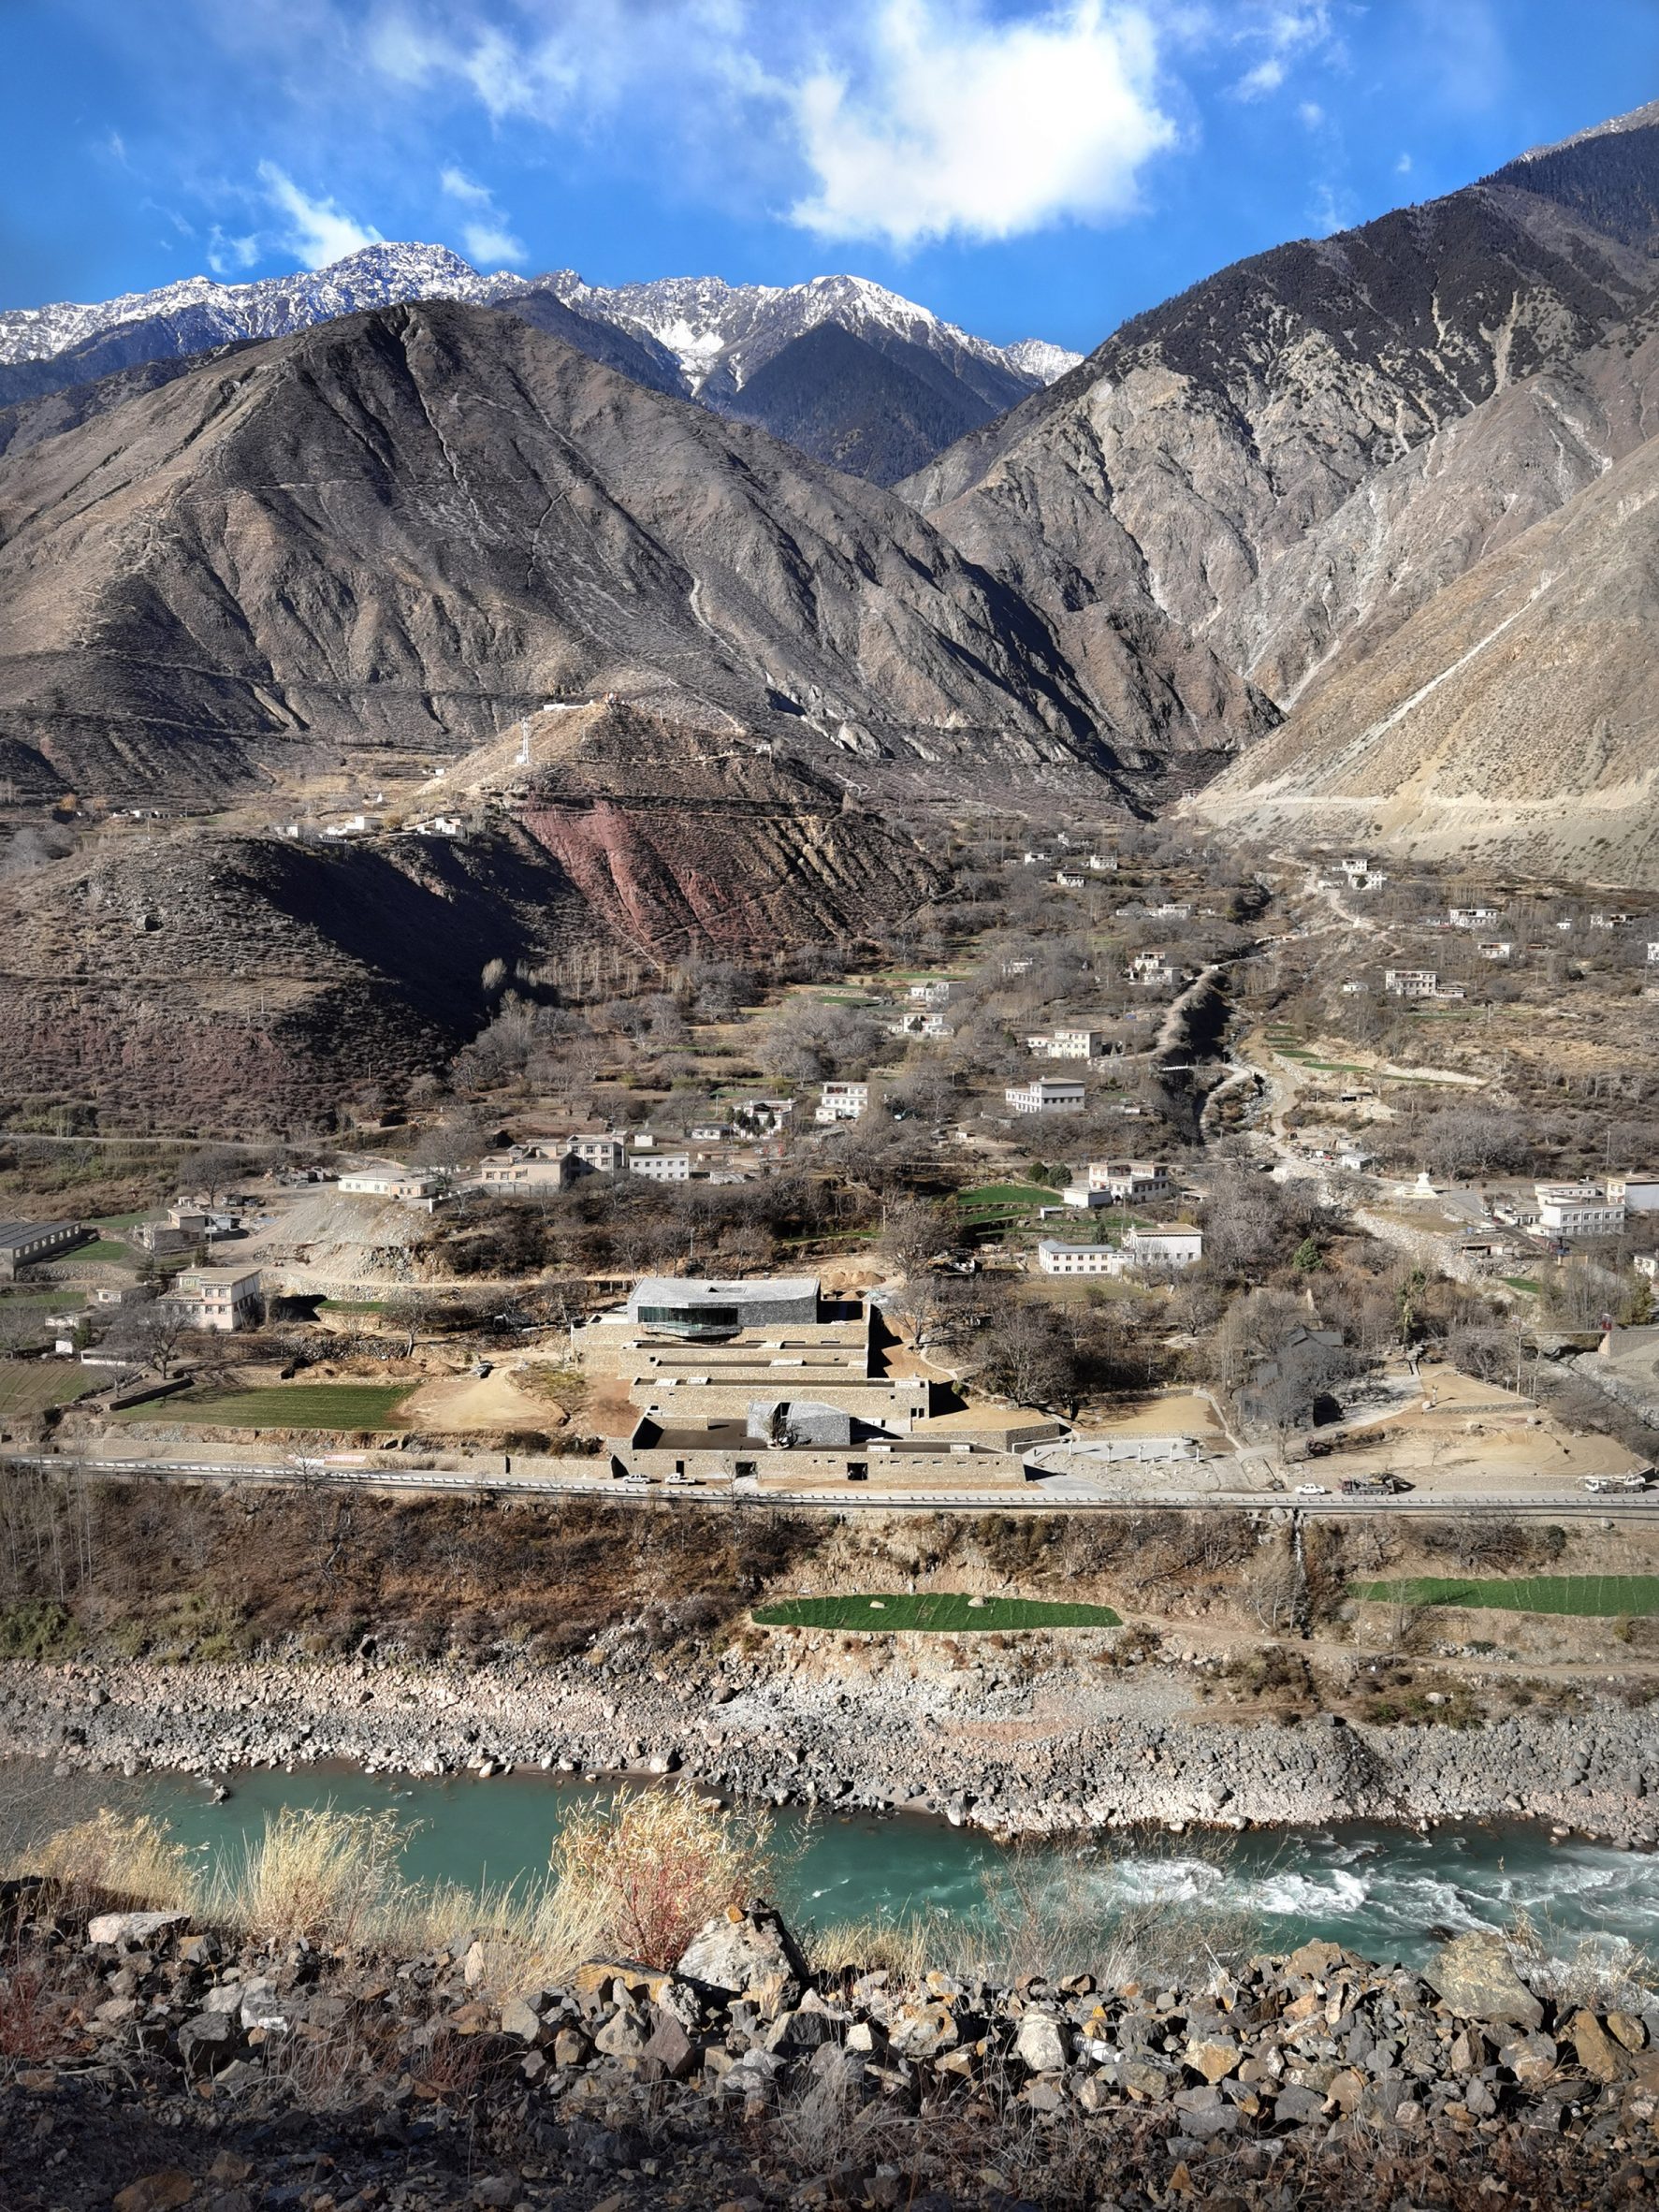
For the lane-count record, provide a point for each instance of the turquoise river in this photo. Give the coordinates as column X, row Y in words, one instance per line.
column 1388, row 1893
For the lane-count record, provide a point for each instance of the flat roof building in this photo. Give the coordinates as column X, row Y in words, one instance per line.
column 1045, row 1094
column 222, row 1298
column 693, row 1308
column 25, row 1244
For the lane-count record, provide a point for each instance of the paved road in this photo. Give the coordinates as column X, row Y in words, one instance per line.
column 1068, row 1495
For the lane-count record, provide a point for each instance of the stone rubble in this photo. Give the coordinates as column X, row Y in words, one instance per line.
column 1048, row 1755
column 304, row 2078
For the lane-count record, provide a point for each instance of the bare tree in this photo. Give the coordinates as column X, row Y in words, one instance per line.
column 149, row 1333
column 1027, row 1354
column 213, row 1169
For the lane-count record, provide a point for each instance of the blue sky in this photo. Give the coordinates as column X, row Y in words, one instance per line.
column 1023, row 169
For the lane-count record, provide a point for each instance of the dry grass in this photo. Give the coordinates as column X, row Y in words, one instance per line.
column 639, row 1878
column 128, row 1858
column 649, row 1869
column 1601, row 1973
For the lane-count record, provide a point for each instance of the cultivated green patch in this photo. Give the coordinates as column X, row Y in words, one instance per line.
column 994, row 1201
column 285, row 1405
column 1592, row 1596
column 936, row 1609
column 29, row 1386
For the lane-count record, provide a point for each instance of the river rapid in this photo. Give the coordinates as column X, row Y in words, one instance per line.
column 1389, row 1894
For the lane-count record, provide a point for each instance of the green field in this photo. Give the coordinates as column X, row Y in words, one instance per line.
column 29, row 1386
column 936, row 1610
column 1592, row 1596
column 103, row 1248
column 1530, row 1284
column 286, row 1406
column 993, row 1199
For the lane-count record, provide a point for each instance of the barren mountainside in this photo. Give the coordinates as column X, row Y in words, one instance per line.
column 406, row 529
column 1509, row 719
column 696, row 337
column 1240, row 478
column 183, row 972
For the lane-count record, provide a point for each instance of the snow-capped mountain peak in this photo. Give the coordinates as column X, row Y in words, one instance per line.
column 1038, row 358
column 374, row 276
column 712, row 327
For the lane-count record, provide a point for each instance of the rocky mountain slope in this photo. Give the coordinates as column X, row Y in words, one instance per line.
column 873, row 410
column 402, row 530
column 695, row 335
column 186, row 976
column 1510, row 719
column 1231, row 470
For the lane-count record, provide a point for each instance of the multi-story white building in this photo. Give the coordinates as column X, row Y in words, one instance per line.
column 1148, row 970
column 1045, row 1094
column 932, row 992
column 1063, row 1045
column 1179, row 1247
column 660, row 1166
column 1495, row 947
column 1141, row 1251
column 1070, row 879
column 843, row 1101
column 1126, row 1179
column 1579, row 1210
column 222, row 1298
column 389, row 1178
column 917, row 1024
column 1636, row 1194
column 522, row 1169
column 1411, row 983
column 1473, row 917
column 1055, row 1259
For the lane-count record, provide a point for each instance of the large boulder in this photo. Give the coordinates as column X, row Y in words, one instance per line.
column 1475, row 1978
column 131, row 1928
column 745, row 1953
column 1043, row 2044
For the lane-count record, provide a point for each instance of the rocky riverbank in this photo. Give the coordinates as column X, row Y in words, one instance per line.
column 167, row 2066
column 1046, row 1753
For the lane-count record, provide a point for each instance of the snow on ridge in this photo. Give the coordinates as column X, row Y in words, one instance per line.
column 1039, row 357
column 712, row 329
column 270, row 307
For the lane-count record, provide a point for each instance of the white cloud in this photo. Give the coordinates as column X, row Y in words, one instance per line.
column 486, row 235
column 1311, row 113
column 1265, row 78
column 536, row 78
column 461, row 186
column 953, row 124
column 318, row 230
column 227, row 256
column 1402, row 166
column 1286, row 31
column 1330, row 209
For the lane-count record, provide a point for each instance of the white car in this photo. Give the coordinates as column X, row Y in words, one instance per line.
column 1312, row 1489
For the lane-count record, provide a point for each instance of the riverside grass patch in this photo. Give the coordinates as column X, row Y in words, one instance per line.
column 940, row 1612
column 331, row 1406
column 1588, row 1597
